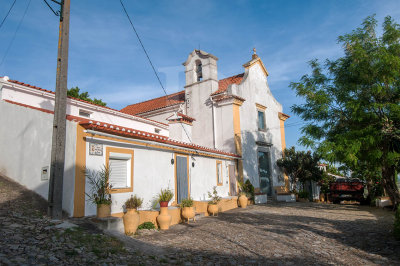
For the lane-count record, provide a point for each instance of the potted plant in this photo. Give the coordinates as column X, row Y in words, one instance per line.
column 164, row 219
column 100, row 190
column 243, row 199
column 187, row 209
column 131, row 217
column 303, row 196
column 212, row 204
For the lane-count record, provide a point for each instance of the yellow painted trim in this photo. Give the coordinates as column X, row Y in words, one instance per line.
column 176, row 176
column 283, row 144
column 199, row 153
column 222, row 177
column 261, row 107
column 238, row 138
column 256, row 61
column 80, row 163
column 125, row 151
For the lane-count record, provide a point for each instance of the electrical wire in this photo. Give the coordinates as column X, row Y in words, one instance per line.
column 15, row 33
column 148, row 58
column 4, row 19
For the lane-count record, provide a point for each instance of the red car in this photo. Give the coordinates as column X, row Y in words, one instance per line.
column 347, row 189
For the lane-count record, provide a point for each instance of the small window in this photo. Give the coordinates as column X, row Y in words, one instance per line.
column 261, row 120
column 219, row 173
column 199, row 70
column 120, row 162
column 84, row 113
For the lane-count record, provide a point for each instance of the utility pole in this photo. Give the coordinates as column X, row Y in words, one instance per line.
column 59, row 122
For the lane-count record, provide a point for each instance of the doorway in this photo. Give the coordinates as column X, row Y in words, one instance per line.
column 264, row 171
column 182, row 184
column 232, row 180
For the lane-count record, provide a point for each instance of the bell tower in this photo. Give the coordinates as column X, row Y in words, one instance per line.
column 201, row 80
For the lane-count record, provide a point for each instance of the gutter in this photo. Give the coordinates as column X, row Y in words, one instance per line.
column 147, row 142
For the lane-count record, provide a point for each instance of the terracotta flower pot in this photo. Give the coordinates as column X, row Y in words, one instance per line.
column 131, row 221
column 213, row 209
column 163, row 203
column 243, row 201
column 103, row 210
column 164, row 219
column 188, row 213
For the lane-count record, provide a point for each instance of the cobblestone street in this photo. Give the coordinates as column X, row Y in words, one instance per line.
column 284, row 233
column 287, row 233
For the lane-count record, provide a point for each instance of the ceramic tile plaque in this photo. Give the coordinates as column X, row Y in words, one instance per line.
column 96, row 149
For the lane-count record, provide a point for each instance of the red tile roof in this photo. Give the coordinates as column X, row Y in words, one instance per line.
column 52, row 92
column 154, row 104
column 138, row 134
column 176, row 98
column 223, row 84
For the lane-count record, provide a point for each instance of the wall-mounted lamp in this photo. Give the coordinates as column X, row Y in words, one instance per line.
column 172, row 161
column 192, row 164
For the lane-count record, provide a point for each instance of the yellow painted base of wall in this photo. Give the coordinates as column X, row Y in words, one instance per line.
column 223, row 205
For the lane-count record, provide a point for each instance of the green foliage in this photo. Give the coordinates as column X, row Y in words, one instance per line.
column 186, row 203
column 146, row 225
column 303, row 194
column 165, row 195
column 324, row 182
column 99, row 185
column 352, row 103
column 214, row 196
column 247, row 188
column 133, row 202
column 397, row 224
column 300, row 166
column 74, row 92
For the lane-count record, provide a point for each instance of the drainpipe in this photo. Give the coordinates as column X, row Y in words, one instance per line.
column 214, row 123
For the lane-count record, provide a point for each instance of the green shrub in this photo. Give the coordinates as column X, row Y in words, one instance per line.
column 133, row 202
column 99, row 185
column 165, row 195
column 147, row 225
column 303, row 194
column 214, row 196
column 186, row 203
column 396, row 230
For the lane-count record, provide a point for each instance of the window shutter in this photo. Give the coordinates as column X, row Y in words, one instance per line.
column 119, row 173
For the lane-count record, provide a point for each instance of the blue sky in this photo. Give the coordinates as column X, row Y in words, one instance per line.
column 106, row 59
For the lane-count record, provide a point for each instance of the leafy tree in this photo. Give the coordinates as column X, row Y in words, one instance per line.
column 300, row 166
column 352, row 103
column 74, row 92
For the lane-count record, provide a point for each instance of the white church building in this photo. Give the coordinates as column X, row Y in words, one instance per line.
column 209, row 134
column 237, row 114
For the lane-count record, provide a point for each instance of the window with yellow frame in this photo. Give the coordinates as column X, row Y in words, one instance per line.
column 120, row 162
column 219, row 173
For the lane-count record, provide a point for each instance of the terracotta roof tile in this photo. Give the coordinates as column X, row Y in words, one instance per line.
column 155, row 104
column 138, row 134
column 223, row 84
column 176, row 98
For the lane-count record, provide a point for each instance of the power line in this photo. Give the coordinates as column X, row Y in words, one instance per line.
column 148, row 58
column 4, row 19
column 15, row 33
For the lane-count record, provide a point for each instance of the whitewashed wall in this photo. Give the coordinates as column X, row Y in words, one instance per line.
column 44, row 100
column 255, row 89
column 25, row 147
column 153, row 171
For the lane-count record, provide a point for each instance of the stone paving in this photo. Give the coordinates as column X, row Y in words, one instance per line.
column 284, row 233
